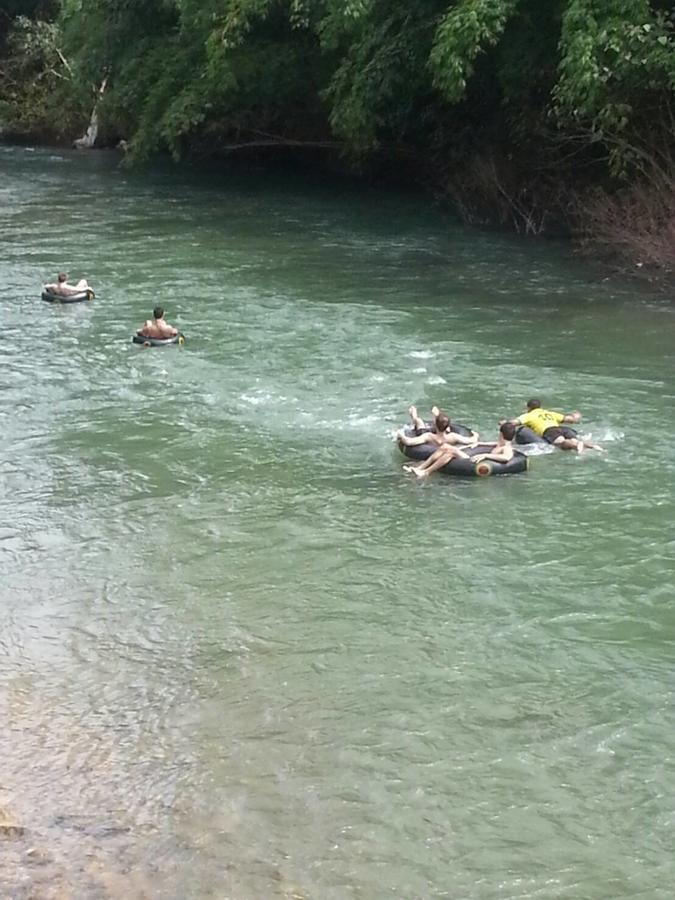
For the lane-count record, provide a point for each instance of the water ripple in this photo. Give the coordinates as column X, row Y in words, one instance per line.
column 244, row 655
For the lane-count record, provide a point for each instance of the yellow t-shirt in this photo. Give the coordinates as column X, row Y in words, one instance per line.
column 541, row 419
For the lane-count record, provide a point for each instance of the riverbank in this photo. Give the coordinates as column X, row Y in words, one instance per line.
column 629, row 233
column 566, row 123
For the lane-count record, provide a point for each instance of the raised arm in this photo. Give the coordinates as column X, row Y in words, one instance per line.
column 572, row 417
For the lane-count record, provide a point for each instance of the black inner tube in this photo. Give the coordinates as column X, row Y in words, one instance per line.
column 158, row 342
column 466, row 467
column 79, row 297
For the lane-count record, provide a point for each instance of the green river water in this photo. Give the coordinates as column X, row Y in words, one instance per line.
column 242, row 655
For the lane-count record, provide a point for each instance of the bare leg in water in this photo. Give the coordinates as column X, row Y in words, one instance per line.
column 577, row 444
column 418, row 423
column 437, row 460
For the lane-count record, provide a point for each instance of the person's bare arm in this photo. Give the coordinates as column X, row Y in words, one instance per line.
column 69, row 289
column 573, row 417
column 504, row 454
column 468, row 440
column 167, row 330
column 416, row 440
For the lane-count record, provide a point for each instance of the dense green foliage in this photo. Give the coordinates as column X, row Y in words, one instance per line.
column 517, row 90
column 368, row 72
column 32, row 71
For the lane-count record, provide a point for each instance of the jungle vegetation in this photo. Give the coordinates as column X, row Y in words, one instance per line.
column 527, row 114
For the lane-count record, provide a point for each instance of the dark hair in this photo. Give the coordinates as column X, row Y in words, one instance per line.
column 63, row 276
column 534, row 403
column 442, row 423
column 508, row 431
column 158, row 312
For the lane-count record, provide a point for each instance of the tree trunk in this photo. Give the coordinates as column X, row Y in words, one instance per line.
column 88, row 140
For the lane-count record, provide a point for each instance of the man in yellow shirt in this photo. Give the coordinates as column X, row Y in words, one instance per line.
column 550, row 425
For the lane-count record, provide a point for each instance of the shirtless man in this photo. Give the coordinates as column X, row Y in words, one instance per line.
column 441, row 436
column 156, row 327
column 550, row 425
column 502, row 452
column 421, row 427
column 61, row 286
column 503, row 447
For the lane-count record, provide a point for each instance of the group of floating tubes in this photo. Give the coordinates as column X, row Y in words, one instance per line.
column 138, row 338
column 467, row 467
column 420, row 452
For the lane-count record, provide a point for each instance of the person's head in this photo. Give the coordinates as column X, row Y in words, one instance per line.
column 158, row 312
column 507, row 430
column 442, row 423
column 62, row 276
column 534, row 403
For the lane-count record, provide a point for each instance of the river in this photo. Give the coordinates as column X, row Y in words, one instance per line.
column 242, row 654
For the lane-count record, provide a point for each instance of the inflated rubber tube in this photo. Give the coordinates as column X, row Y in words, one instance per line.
column 158, row 342
column 525, row 435
column 68, row 298
column 467, row 467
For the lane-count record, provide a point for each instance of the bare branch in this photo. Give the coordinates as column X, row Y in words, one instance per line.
column 65, row 62
column 284, row 142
